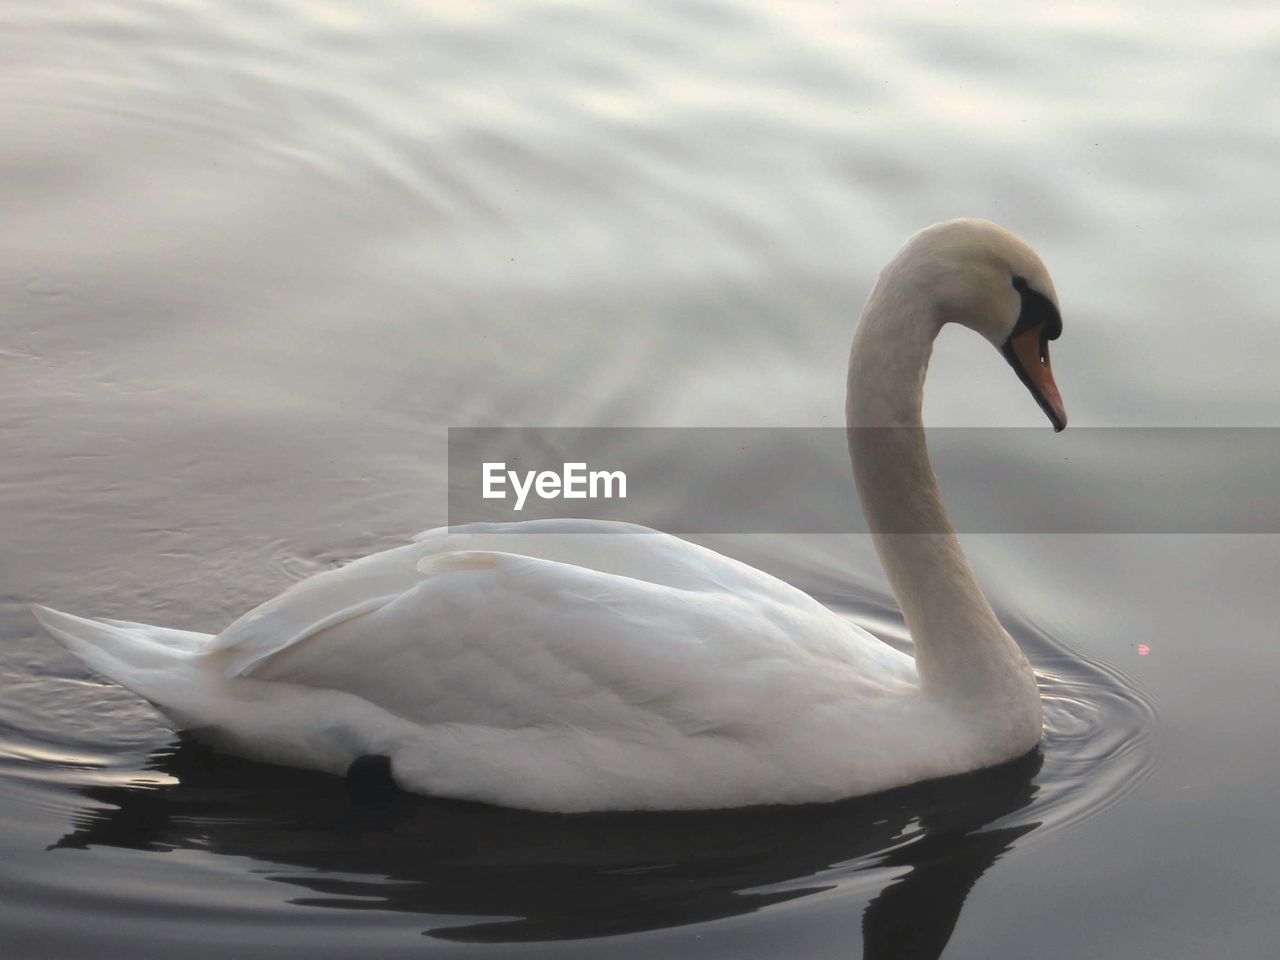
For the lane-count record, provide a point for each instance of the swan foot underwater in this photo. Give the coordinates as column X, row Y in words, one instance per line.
column 567, row 665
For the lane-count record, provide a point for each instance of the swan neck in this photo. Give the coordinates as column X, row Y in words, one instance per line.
column 961, row 649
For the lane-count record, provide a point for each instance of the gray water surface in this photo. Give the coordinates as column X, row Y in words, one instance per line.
column 256, row 259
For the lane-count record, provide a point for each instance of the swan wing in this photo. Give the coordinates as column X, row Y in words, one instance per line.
column 513, row 642
column 328, row 598
column 313, row 604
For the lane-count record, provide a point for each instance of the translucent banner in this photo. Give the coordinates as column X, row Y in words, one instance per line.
column 788, row 480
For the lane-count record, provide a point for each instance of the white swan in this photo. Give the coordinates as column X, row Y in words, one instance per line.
column 570, row 666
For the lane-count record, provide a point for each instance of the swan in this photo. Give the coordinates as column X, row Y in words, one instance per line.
column 568, row 665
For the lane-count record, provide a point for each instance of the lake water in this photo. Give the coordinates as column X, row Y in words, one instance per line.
column 257, row 258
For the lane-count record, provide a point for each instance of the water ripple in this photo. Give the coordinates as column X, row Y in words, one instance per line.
column 526, row 876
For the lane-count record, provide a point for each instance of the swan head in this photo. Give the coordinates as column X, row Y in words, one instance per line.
column 980, row 275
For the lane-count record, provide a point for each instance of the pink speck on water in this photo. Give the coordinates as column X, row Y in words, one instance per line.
column 1143, row 649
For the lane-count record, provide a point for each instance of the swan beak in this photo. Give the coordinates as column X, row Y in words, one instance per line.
column 1028, row 354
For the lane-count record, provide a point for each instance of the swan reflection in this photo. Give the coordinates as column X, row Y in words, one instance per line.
column 528, row 877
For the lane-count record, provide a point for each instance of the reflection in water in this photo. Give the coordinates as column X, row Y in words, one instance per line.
column 534, row 876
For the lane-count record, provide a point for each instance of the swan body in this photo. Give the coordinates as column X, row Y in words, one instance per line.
column 574, row 665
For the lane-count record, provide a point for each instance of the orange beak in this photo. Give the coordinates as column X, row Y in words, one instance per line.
column 1028, row 354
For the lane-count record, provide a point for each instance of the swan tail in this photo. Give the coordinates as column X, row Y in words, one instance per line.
column 150, row 661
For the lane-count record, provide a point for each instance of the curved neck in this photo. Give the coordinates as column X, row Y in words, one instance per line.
column 961, row 649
